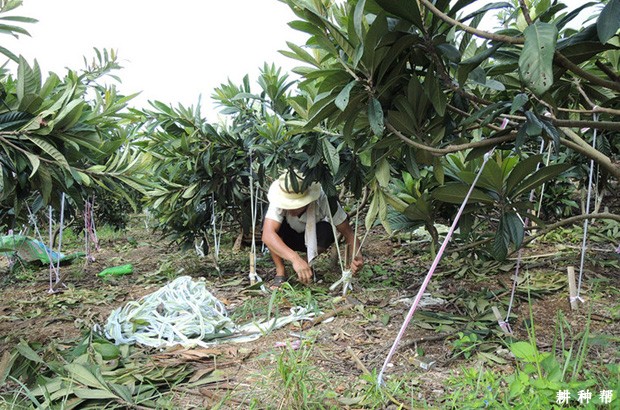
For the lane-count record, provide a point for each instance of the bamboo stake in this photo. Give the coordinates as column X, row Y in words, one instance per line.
column 572, row 288
column 500, row 320
column 252, row 268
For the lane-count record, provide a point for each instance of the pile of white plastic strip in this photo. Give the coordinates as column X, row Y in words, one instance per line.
column 185, row 313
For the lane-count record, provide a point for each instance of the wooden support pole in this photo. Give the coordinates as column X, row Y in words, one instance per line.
column 572, row 288
column 252, row 268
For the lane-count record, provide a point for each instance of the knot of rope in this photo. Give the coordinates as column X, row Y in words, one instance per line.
column 254, row 279
column 576, row 299
column 505, row 326
column 345, row 280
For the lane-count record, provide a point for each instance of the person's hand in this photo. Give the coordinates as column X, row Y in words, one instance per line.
column 304, row 273
column 357, row 263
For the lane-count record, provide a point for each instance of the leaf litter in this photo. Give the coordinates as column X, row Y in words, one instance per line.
column 44, row 331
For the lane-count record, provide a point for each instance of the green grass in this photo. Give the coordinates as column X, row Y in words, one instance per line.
column 539, row 373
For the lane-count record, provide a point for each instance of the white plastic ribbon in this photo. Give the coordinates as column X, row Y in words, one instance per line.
column 310, row 234
column 345, row 280
column 185, row 313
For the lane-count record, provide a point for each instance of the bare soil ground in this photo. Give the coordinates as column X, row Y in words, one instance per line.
column 360, row 335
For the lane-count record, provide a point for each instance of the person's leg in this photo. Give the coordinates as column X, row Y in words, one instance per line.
column 324, row 236
column 279, row 262
column 293, row 240
column 324, row 239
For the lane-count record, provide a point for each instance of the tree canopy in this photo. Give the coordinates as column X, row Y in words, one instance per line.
column 397, row 101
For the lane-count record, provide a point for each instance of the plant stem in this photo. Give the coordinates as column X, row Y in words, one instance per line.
column 526, row 12
column 489, row 142
column 469, row 29
column 569, row 65
column 545, row 230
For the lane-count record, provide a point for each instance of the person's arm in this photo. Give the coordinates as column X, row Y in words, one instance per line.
column 349, row 236
column 276, row 245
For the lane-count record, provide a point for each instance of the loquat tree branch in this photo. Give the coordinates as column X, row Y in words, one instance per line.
column 569, row 65
column 596, row 108
column 543, row 230
column 608, row 71
column 469, row 29
column 558, row 57
column 489, row 142
column 526, row 12
column 601, row 125
column 569, row 221
column 577, row 144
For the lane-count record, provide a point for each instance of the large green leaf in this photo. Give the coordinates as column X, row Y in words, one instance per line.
column 419, row 211
column 321, row 108
column 331, row 156
column 94, row 393
column 513, row 226
column 51, row 150
column 455, row 192
column 533, row 125
column 8, row 53
column 385, row 199
column 536, row 60
column 449, row 51
column 373, row 211
column 417, row 99
column 521, row 171
column 392, row 57
column 376, row 32
column 69, row 115
column 13, row 119
column 553, row 132
column 375, row 116
column 382, row 173
column 406, row 9
column 86, row 375
column 11, row 29
column 524, row 351
column 491, row 177
column 336, row 34
column 438, row 171
column 518, row 102
column 28, row 79
column 541, row 176
column 434, row 93
column 500, row 242
column 34, row 161
column 25, row 350
column 358, row 19
column 465, row 67
column 300, row 54
column 342, row 100
column 608, row 22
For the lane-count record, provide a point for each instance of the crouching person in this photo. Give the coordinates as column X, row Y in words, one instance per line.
column 299, row 221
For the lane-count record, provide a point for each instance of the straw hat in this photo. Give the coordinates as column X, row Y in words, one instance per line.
column 283, row 195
